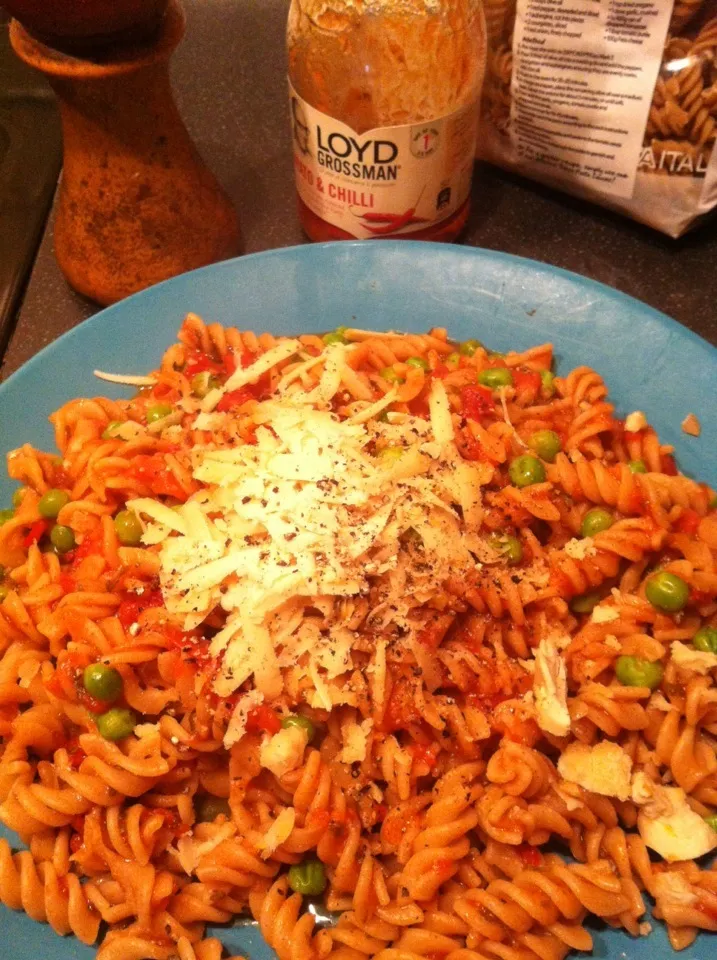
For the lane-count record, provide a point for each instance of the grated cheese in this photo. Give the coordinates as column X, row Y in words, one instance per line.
column 695, row 661
column 125, row 379
column 374, row 409
column 306, row 515
column 636, row 421
column 128, row 430
column 504, row 407
column 245, row 375
column 580, row 549
column 210, row 421
column 237, row 722
column 355, row 738
column 668, row 824
column 379, row 674
column 604, row 768
column 550, row 688
column 658, row 702
column 144, row 730
column 189, row 851
column 159, row 512
column 440, row 413
column 604, row 614
column 284, row 751
column 171, row 420
column 278, row 832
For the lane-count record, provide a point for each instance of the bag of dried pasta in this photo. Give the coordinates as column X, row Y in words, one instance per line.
column 613, row 101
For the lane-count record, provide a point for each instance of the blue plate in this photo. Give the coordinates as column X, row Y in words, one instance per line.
column 649, row 362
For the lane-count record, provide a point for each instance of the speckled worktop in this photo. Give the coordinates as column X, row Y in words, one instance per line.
column 230, row 86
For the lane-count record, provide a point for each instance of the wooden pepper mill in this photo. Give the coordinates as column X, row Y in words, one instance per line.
column 136, row 203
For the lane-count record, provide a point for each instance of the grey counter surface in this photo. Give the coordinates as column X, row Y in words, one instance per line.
column 230, row 87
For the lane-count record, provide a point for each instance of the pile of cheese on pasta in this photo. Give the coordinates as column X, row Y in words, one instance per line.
column 400, row 621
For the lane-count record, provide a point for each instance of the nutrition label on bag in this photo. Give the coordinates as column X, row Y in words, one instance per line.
column 583, row 77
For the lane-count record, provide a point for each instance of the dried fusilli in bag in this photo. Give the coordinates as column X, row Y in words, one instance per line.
column 618, row 106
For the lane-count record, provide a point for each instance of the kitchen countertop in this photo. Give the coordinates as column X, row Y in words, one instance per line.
column 231, row 90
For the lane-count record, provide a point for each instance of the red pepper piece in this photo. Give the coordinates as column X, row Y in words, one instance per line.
column 67, row 583
column 476, row 401
column 425, row 753
column 531, row 856
column 263, row 719
column 134, row 603
column 668, row 465
column 526, row 380
column 153, row 471
column 37, row 530
column 235, row 398
column 199, row 363
column 688, row 522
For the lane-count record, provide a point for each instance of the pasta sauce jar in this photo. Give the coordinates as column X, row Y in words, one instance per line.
column 384, row 112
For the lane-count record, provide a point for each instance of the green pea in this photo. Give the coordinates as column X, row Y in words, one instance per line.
column 62, row 538
column 469, row 347
column 705, row 639
column 210, row 807
column 296, row 720
column 6, row 515
column 102, row 682
column 547, row 380
column 711, row 821
column 390, row 454
column 418, row 362
column 713, row 503
column 52, row 502
column 388, row 373
column 110, row 432
column 201, row 383
column 308, row 878
column 495, row 377
column 453, row 360
column 636, row 672
column 18, row 496
column 336, row 336
column 158, row 411
column 128, row 528
column 667, row 591
column 525, row 470
column 117, row 723
column 637, row 466
column 4, row 590
column 509, row 547
column 383, row 416
column 595, row 521
column 586, row 602
column 546, row 444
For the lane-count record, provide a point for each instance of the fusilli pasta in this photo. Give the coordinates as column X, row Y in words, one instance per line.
column 513, row 647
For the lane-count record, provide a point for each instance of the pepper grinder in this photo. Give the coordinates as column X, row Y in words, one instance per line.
column 136, row 202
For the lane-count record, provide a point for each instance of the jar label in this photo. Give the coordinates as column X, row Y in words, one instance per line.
column 385, row 181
